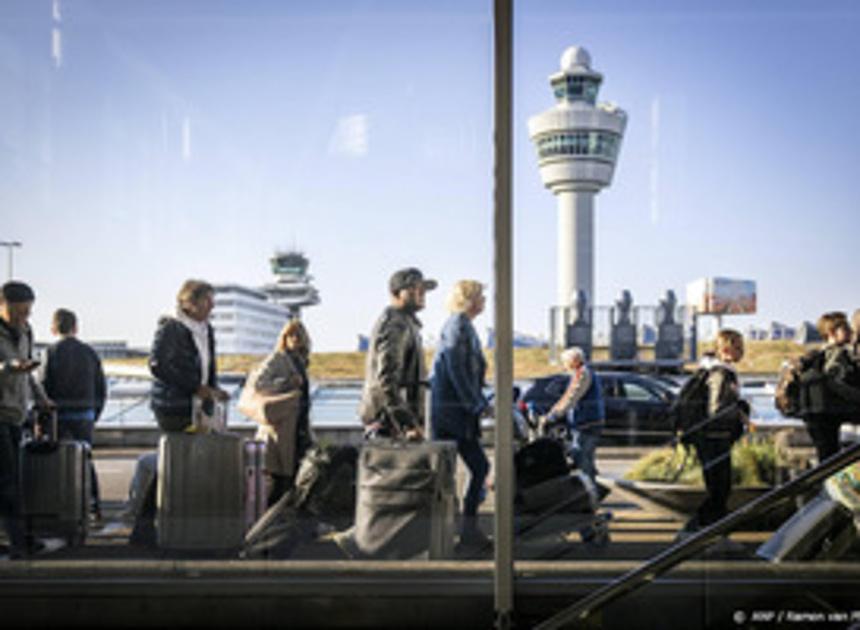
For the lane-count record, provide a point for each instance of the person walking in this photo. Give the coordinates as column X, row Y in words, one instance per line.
column 832, row 385
column 73, row 378
column 727, row 414
column 286, row 370
column 392, row 399
column 17, row 388
column 458, row 400
column 583, row 407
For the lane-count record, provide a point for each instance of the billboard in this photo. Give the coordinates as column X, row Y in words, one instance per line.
column 722, row 296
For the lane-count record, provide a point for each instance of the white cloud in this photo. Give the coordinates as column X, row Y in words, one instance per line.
column 57, row 47
column 186, row 139
column 350, row 137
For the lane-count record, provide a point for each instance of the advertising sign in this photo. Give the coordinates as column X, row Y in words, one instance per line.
column 722, row 296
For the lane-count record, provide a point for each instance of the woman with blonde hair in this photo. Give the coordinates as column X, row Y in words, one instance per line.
column 282, row 372
column 458, row 398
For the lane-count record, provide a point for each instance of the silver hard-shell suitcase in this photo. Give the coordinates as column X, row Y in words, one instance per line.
column 55, row 479
column 405, row 501
column 201, row 491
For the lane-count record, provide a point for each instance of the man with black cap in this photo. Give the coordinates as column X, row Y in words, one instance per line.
column 16, row 386
column 392, row 402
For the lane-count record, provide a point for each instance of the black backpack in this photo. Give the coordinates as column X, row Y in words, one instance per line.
column 690, row 408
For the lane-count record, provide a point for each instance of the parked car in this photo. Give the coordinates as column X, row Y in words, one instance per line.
column 637, row 405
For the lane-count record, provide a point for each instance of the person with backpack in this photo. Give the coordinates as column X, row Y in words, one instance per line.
column 711, row 416
column 829, row 384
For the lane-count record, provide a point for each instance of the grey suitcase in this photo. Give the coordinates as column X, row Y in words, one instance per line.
column 405, row 501
column 201, row 491
column 823, row 529
column 55, row 479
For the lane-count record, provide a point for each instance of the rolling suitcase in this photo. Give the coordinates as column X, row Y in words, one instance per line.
column 201, row 491
column 405, row 501
column 255, row 482
column 539, row 461
column 823, row 529
column 55, row 479
column 571, row 492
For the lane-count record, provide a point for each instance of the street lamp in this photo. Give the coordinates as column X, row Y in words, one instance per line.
column 10, row 247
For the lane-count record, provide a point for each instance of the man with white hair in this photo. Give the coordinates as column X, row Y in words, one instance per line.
column 582, row 406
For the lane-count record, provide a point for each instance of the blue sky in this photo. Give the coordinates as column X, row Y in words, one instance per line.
column 149, row 142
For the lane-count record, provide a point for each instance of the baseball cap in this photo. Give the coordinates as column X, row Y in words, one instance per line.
column 409, row 277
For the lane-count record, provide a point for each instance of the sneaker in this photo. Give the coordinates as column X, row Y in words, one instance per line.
column 44, row 546
column 474, row 538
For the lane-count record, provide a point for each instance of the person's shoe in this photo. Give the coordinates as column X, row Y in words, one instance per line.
column 474, row 538
column 44, row 547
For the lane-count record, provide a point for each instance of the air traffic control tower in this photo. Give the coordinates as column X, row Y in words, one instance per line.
column 577, row 143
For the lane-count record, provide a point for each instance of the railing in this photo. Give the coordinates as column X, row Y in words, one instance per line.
column 683, row 550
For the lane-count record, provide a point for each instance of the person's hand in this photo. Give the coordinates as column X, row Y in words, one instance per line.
column 46, row 405
column 204, row 392
column 220, row 395
column 23, row 365
column 414, row 434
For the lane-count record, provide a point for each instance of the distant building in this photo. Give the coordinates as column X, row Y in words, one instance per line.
column 245, row 320
column 521, row 340
column 756, row 334
column 781, row 332
column 105, row 349
column 808, row 333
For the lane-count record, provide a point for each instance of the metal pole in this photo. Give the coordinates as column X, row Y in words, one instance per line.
column 503, row 578
column 10, row 245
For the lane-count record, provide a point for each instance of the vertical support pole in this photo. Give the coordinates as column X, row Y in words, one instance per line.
column 504, row 465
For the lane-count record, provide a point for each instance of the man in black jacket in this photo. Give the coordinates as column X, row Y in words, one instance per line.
column 73, row 378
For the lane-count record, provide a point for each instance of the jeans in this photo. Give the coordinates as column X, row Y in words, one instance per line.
column 472, row 454
column 582, row 448
column 10, row 484
column 82, row 431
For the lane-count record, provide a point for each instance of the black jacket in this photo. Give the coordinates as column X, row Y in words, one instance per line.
column 176, row 368
column 73, row 377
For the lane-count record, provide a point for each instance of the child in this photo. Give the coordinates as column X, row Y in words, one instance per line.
column 727, row 415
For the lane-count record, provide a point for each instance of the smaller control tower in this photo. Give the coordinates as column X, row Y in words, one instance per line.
column 292, row 287
column 577, row 143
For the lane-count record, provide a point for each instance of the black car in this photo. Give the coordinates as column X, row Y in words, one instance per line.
column 636, row 405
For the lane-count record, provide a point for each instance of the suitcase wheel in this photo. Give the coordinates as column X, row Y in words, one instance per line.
column 596, row 534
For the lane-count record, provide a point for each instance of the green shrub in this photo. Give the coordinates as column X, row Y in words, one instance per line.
column 754, row 463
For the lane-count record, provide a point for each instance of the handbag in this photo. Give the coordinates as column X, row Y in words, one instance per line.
column 268, row 409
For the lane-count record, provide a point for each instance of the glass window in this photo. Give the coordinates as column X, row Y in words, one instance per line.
column 635, row 391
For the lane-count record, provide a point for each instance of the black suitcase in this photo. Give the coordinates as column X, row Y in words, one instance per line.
column 55, row 478
column 324, row 492
column 539, row 461
column 572, row 492
column 823, row 529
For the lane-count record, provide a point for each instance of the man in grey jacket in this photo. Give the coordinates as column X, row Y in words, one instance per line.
column 16, row 387
column 392, row 401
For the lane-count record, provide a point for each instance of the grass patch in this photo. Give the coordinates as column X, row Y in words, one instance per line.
column 754, row 463
column 762, row 357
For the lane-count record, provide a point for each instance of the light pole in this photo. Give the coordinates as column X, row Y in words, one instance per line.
column 10, row 247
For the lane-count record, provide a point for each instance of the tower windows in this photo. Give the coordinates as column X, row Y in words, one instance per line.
column 572, row 88
column 579, row 143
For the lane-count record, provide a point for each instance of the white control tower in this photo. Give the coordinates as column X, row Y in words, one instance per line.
column 577, row 143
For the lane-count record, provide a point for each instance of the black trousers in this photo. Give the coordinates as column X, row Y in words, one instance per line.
column 715, row 456
column 10, row 484
column 824, row 431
